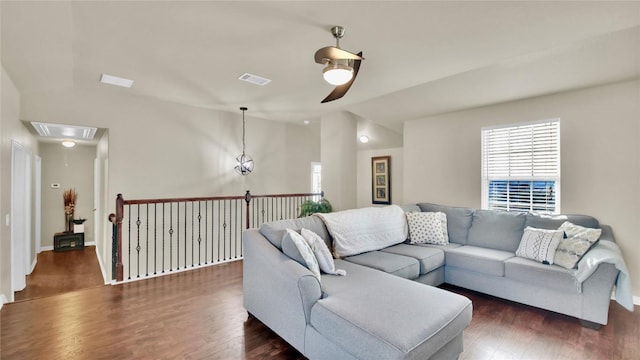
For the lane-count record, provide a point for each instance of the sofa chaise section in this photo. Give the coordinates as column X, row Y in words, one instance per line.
column 374, row 315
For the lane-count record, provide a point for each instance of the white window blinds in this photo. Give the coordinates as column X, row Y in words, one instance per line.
column 521, row 167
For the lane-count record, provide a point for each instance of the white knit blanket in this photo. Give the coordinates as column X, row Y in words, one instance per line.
column 366, row 229
column 607, row 252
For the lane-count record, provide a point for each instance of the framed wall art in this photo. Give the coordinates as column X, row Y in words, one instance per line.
column 381, row 180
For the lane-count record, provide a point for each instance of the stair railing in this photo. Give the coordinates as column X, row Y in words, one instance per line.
column 154, row 237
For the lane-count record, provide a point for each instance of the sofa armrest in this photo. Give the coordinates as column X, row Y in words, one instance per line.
column 277, row 290
column 607, row 233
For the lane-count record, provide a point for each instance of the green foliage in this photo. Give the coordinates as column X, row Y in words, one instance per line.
column 309, row 207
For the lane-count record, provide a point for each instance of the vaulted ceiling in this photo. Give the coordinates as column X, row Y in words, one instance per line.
column 422, row 58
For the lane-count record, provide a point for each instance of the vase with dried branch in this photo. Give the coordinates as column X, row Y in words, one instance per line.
column 69, row 196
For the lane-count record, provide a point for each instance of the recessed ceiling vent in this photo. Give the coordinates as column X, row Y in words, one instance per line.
column 254, row 79
column 64, row 131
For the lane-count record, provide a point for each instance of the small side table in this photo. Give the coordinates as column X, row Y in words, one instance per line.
column 68, row 241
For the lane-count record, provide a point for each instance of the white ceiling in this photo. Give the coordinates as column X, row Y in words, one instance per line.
column 422, row 58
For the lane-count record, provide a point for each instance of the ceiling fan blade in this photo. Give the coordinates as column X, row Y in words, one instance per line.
column 340, row 90
column 325, row 54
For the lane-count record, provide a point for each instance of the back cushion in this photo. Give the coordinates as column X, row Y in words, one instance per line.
column 553, row 222
column 498, row 230
column 458, row 220
column 275, row 230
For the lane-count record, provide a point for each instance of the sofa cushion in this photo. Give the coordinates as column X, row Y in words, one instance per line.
column 378, row 327
column 444, row 248
column 578, row 241
column 458, row 220
column 356, row 231
column 532, row 272
column 429, row 258
column 297, row 248
column 498, row 230
column 478, row 259
column 427, row 227
column 539, row 244
column 274, row 231
column 410, row 208
column 403, row 266
column 552, row 222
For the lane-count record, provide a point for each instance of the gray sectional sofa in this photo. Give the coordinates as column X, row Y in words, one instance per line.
column 382, row 309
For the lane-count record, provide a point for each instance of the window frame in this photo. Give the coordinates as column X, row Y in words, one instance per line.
column 486, row 179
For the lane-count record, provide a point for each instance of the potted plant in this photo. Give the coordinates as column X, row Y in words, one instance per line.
column 69, row 197
column 309, row 207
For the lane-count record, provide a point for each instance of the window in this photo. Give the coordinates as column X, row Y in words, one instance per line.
column 521, row 167
column 316, row 178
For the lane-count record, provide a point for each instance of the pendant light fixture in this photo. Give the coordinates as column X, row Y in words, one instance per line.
column 245, row 162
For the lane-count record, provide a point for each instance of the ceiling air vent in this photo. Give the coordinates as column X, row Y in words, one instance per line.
column 64, row 131
column 254, row 79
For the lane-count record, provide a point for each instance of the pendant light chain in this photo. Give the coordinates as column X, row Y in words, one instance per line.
column 243, row 129
column 245, row 162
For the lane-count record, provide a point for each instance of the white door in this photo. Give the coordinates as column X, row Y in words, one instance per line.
column 19, row 211
column 38, row 204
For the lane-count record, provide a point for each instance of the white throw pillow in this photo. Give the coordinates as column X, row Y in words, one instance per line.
column 305, row 251
column 578, row 241
column 427, row 228
column 539, row 244
column 322, row 253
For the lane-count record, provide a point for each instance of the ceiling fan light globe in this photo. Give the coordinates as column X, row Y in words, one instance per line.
column 337, row 74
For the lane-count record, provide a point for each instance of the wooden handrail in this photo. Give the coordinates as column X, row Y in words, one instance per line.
column 186, row 199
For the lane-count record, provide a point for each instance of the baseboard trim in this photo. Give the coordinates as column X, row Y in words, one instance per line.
column 102, row 268
column 50, row 247
column 3, row 300
column 636, row 299
column 33, row 264
column 171, row 272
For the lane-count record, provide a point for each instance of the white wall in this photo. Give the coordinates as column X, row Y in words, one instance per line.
column 159, row 148
column 600, row 156
column 364, row 175
column 10, row 129
column 71, row 168
column 104, row 228
column 339, row 159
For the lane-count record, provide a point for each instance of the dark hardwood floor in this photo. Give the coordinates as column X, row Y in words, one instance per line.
column 199, row 315
column 61, row 272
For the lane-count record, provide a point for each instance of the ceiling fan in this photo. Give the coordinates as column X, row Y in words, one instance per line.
column 341, row 66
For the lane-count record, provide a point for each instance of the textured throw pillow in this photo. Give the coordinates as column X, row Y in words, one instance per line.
column 427, row 228
column 539, row 244
column 578, row 240
column 296, row 247
column 322, row 253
